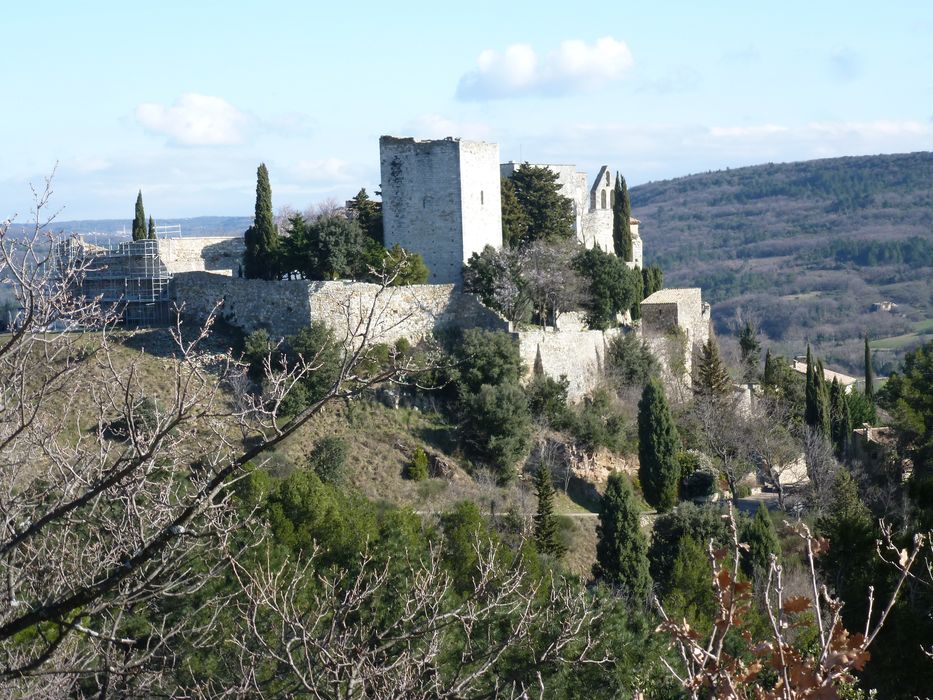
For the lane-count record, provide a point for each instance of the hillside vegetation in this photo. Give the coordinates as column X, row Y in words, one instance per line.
column 804, row 249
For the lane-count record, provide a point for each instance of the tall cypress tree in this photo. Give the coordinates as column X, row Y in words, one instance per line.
column 139, row 222
column 823, row 405
column 750, row 347
column 545, row 521
column 869, row 374
column 151, row 235
column 621, row 220
column 260, row 260
column 621, row 550
column 811, row 413
column 712, row 377
column 769, row 377
column 658, row 442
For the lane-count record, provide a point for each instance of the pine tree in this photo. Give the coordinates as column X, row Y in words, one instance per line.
column 762, row 540
column 621, row 548
column 622, row 220
column 545, row 521
column 260, row 260
column 869, row 374
column 750, row 347
column 139, row 223
column 691, row 595
column 712, row 377
column 152, row 234
column 658, row 443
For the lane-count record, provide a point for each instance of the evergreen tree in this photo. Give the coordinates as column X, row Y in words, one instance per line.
column 622, row 220
column 514, row 218
column 840, row 420
column 368, row 214
column 652, row 279
column 712, row 377
column 139, row 223
column 621, row 548
column 635, row 311
column 812, row 398
column 658, row 443
column 822, row 393
column 762, row 540
column 750, row 347
column 548, row 213
column 260, row 260
column 691, row 595
column 152, row 233
column 546, row 536
column 769, row 374
column 869, row 374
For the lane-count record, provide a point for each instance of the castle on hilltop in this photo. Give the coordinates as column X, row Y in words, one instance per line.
column 441, row 199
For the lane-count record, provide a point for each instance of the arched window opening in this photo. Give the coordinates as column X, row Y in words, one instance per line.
column 602, row 199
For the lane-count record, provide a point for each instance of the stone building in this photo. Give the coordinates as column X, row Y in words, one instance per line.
column 592, row 205
column 441, row 200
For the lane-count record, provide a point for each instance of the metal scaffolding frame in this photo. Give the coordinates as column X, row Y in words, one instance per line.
column 129, row 279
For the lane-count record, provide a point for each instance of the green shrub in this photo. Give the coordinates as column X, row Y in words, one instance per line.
column 417, row 468
column 328, row 459
column 487, row 357
column 496, row 427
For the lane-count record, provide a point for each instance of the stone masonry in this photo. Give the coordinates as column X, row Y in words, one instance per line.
column 441, row 199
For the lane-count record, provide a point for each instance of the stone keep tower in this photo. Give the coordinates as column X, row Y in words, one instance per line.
column 441, row 199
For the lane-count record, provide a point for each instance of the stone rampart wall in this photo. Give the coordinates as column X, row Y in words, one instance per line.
column 578, row 355
column 285, row 307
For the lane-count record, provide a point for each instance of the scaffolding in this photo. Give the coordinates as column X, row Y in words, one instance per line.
column 129, row 279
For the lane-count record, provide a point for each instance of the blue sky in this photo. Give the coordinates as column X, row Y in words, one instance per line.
column 184, row 99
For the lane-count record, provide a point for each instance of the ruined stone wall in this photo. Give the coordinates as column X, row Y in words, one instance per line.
column 662, row 314
column 578, row 355
column 441, row 199
column 219, row 254
column 285, row 307
column 597, row 230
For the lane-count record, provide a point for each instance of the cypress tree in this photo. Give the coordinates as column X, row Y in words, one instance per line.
column 545, row 521
column 260, row 260
column 869, row 374
column 621, row 220
column 658, row 442
column 712, row 377
column 822, row 393
column 811, row 394
column 751, row 352
column 652, row 279
column 769, row 374
column 621, row 548
column 762, row 540
column 139, row 222
column 152, row 234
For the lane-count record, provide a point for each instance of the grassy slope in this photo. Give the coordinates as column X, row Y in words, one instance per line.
column 764, row 242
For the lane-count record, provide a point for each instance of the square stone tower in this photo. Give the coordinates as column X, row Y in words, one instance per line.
column 441, row 199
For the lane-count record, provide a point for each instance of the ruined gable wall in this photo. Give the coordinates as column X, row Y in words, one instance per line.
column 220, row 254
column 421, row 203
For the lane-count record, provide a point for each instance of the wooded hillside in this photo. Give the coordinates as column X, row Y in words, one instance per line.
column 803, row 249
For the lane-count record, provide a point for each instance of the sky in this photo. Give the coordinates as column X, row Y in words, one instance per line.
column 183, row 100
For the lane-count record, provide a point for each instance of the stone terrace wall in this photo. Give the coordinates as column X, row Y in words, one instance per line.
column 579, row 355
column 285, row 307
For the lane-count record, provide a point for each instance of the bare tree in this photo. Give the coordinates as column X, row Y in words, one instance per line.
column 817, row 671
column 550, row 280
column 331, row 645
column 724, row 432
column 114, row 502
column 822, row 468
column 778, row 453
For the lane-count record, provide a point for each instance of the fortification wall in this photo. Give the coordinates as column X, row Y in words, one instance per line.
column 219, row 254
column 578, row 355
column 285, row 307
column 661, row 314
column 480, row 196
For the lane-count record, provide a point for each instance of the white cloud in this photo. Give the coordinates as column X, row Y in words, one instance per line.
column 321, row 170
column 573, row 67
column 435, row 126
column 195, row 120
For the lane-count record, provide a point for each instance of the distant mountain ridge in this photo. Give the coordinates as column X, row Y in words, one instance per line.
column 120, row 228
column 803, row 249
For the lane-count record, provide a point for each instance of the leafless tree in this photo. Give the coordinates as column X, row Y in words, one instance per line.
column 709, row 670
column 724, row 432
column 822, row 468
column 332, row 646
column 114, row 501
column 550, row 281
column 775, row 448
